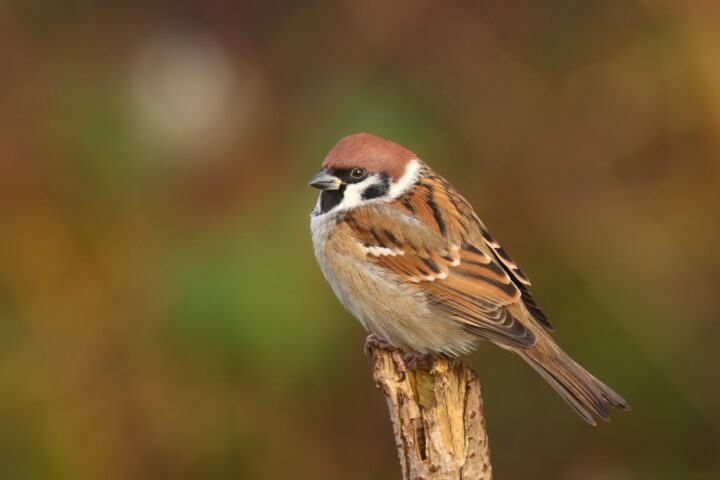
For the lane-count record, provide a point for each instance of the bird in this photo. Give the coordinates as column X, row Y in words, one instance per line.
column 409, row 258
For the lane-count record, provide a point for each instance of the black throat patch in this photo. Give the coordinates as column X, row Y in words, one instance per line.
column 329, row 199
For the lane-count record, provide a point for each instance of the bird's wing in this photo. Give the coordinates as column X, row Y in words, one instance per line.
column 436, row 204
column 519, row 278
column 451, row 263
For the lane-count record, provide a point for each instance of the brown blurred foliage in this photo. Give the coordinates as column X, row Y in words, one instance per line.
column 161, row 314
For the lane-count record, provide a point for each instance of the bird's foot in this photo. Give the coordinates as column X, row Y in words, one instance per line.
column 413, row 359
column 375, row 341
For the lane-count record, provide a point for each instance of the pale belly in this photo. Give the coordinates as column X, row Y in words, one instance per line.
column 384, row 305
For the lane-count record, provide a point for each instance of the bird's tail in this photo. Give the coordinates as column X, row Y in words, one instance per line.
column 582, row 391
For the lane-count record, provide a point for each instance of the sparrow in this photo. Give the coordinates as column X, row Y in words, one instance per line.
column 408, row 257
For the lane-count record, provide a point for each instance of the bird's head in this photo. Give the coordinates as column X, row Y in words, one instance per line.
column 361, row 169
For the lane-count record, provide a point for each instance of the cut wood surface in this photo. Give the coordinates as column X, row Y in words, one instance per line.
column 437, row 416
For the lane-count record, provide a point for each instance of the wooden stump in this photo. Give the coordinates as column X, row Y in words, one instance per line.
column 438, row 419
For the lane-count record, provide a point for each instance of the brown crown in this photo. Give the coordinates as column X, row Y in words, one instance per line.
column 373, row 153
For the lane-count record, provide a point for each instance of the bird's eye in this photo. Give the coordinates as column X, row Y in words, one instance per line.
column 358, row 173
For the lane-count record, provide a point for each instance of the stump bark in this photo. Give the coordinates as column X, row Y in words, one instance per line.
column 437, row 416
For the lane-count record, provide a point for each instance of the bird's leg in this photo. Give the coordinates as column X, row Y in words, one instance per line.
column 413, row 359
column 375, row 341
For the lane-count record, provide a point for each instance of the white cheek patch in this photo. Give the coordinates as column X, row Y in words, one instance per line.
column 353, row 194
column 352, row 197
column 412, row 172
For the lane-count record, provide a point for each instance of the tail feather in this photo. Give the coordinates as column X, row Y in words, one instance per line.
column 582, row 391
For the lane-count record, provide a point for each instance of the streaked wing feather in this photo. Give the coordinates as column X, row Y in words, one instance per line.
column 460, row 279
column 521, row 280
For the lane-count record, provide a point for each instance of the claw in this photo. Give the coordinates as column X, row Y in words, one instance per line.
column 413, row 359
column 375, row 341
column 397, row 356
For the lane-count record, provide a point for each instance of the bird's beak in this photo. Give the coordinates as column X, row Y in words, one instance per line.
column 324, row 181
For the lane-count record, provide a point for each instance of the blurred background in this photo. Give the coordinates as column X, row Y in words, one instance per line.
column 161, row 312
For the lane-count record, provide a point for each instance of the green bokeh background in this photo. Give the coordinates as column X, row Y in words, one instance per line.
column 161, row 313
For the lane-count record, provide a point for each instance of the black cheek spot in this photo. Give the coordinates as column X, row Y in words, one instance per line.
column 373, row 192
column 378, row 190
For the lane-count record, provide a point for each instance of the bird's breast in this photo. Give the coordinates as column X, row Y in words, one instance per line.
column 378, row 298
